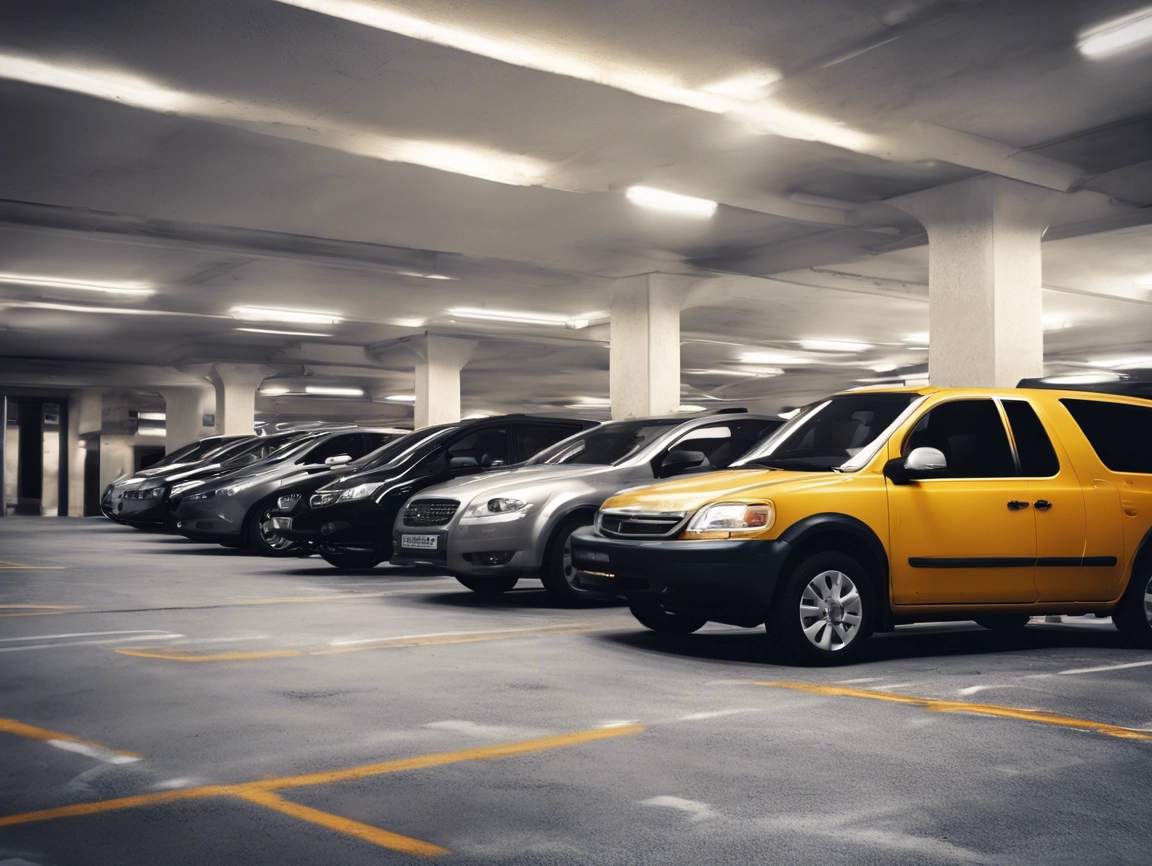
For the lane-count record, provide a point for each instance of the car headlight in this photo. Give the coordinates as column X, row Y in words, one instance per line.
column 492, row 507
column 721, row 519
column 144, row 493
column 203, row 494
column 360, row 491
column 319, row 500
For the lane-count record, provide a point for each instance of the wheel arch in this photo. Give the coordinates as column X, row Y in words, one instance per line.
column 558, row 519
column 1141, row 562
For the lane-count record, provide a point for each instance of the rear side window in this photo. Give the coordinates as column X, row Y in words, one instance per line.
column 971, row 436
column 1120, row 434
column 1037, row 456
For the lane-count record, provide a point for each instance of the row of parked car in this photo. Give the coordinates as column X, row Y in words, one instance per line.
column 864, row 511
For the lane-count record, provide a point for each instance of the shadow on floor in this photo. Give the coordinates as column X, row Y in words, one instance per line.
column 516, row 599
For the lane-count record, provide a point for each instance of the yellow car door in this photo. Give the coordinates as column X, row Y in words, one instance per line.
column 965, row 535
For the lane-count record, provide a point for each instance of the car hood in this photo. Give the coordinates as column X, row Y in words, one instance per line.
column 524, row 480
column 688, row 494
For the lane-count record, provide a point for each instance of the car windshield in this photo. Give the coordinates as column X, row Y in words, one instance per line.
column 227, row 451
column 828, row 435
column 399, row 450
column 607, row 444
column 263, row 447
column 188, row 452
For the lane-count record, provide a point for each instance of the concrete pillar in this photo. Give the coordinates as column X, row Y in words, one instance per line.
column 184, row 411
column 85, row 416
column 644, row 350
column 236, row 386
column 439, row 361
column 985, row 312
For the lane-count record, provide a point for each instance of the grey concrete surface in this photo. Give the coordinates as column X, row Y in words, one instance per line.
column 320, row 671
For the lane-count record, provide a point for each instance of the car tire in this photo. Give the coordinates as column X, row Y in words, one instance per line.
column 653, row 616
column 1003, row 623
column 825, row 610
column 484, row 585
column 351, row 560
column 1133, row 616
column 557, row 573
column 258, row 536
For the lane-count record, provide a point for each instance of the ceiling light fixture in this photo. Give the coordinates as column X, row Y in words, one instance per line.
column 101, row 83
column 151, row 416
column 273, row 392
column 770, row 357
column 1082, row 379
column 401, row 398
column 1128, row 363
column 520, row 318
column 133, row 289
column 689, row 407
column 919, row 338
column 424, row 276
column 658, row 199
column 834, row 346
column 1118, row 35
column 285, row 333
column 330, row 391
column 762, row 373
column 297, row 317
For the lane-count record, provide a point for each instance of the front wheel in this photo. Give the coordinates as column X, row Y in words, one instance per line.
column 351, row 560
column 488, row 585
column 1133, row 616
column 558, row 574
column 825, row 610
column 662, row 622
column 1003, row 623
column 261, row 538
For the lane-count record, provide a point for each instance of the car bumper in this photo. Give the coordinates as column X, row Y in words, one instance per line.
column 356, row 525
column 141, row 512
column 695, row 575
column 206, row 520
column 494, row 548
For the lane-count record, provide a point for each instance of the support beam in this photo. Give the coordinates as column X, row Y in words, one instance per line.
column 184, row 411
column 438, row 365
column 236, row 386
column 644, row 350
column 985, row 309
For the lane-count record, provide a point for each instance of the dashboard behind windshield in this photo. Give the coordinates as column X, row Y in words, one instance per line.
column 606, row 445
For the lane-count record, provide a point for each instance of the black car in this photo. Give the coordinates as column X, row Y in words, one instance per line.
column 349, row 521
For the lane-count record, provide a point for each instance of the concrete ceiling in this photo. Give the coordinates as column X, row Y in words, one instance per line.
column 323, row 154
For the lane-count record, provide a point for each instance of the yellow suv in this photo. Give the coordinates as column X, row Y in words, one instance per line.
column 875, row 508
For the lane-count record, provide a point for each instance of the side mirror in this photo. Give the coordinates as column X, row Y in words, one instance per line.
column 920, row 463
column 338, row 460
column 678, row 461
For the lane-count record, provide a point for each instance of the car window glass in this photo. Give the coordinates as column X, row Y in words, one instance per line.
column 607, row 444
column 971, row 436
column 405, row 447
column 1037, row 456
column 478, row 449
column 351, row 444
column 1119, row 433
column 531, row 439
column 375, row 440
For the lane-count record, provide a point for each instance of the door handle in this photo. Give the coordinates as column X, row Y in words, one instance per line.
column 1016, row 505
column 1043, row 504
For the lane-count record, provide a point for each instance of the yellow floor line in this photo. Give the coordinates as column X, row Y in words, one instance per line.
column 482, row 753
column 175, row 655
column 36, row 609
column 344, row 825
column 31, row 732
column 4, row 565
column 940, row 706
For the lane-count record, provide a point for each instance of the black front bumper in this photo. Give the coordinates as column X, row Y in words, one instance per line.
column 732, row 580
column 353, row 524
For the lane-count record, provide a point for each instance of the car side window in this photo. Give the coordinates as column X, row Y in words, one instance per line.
column 531, row 439
column 351, row 444
column 1119, row 433
column 971, row 435
column 479, row 449
column 1037, row 456
column 376, row 440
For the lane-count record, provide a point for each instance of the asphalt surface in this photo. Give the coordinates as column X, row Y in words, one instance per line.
column 222, row 708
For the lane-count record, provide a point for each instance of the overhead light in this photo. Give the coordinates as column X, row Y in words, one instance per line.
column 401, row 398
column 1081, row 379
column 747, row 86
column 1117, row 35
column 102, row 83
column 885, row 367
column 770, row 357
column 761, row 373
column 298, row 317
column 274, row 391
column 407, row 322
column 1055, row 322
column 790, row 414
column 1123, row 363
column 151, row 431
column 917, row 348
column 475, row 416
column 593, row 401
column 425, row 276
column 834, row 346
column 151, row 416
column 520, row 318
column 328, row 391
column 79, row 308
column 659, row 199
column 918, row 338
column 133, row 289
column 285, row 333
column 689, row 407
column 1145, row 282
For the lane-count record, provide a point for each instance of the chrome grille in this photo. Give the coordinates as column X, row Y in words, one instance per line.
column 430, row 512
column 639, row 524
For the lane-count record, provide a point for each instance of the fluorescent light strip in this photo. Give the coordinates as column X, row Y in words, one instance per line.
column 424, row 276
column 401, row 398
column 151, row 416
column 298, row 317
column 780, row 358
column 327, row 391
column 76, row 308
column 520, row 318
column 658, row 199
column 834, row 346
column 285, row 333
column 1118, row 35
column 133, row 289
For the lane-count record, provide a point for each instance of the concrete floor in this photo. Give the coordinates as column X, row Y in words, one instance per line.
column 228, row 675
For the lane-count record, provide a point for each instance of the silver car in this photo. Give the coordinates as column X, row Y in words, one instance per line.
column 490, row 530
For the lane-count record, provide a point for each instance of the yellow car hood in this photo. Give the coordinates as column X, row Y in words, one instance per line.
column 688, row 494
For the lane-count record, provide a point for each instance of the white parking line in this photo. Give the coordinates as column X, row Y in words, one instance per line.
column 1107, row 668
column 82, row 634
column 859, row 680
column 106, row 755
column 696, row 717
column 102, row 642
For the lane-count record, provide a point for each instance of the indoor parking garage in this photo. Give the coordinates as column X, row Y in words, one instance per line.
column 526, row 432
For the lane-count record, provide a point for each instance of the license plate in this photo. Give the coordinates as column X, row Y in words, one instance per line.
column 419, row 542
column 281, row 522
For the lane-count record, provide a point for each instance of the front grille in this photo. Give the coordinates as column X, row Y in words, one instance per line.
column 640, row 524
column 430, row 512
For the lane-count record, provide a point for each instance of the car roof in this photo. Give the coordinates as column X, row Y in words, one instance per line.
column 1043, row 391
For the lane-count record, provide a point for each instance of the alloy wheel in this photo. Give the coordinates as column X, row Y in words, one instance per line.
column 831, row 611
column 269, row 536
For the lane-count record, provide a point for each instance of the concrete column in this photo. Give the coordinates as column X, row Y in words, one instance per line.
column 438, row 365
column 184, row 411
column 985, row 312
column 236, row 386
column 644, row 350
column 85, row 415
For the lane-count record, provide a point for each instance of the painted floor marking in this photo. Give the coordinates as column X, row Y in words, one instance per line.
column 102, row 641
column 1107, row 668
column 36, row 609
column 146, row 631
column 941, row 706
column 31, row 567
column 67, row 742
column 260, row 792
